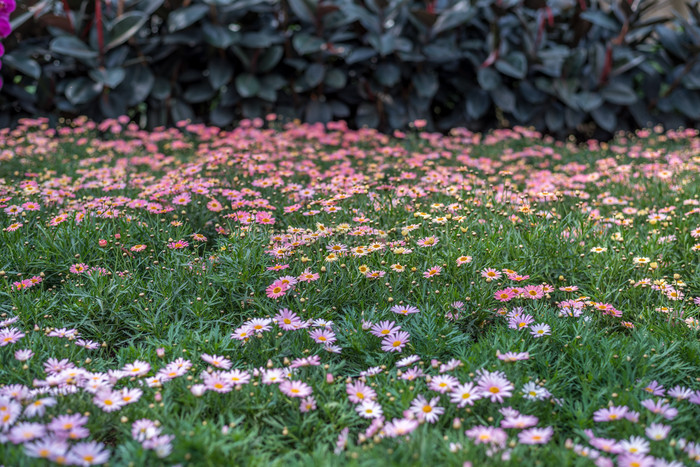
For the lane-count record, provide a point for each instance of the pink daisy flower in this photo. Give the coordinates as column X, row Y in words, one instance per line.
column 404, row 309
column 295, row 388
column 495, row 386
column 395, row 342
column 217, row 361
column 426, row 410
column 536, row 435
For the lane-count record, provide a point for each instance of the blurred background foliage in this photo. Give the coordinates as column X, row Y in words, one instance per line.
column 579, row 67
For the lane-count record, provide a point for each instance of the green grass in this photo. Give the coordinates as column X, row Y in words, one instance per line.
column 560, row 202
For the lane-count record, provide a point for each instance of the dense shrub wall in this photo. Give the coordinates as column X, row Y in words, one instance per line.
column 565, row 66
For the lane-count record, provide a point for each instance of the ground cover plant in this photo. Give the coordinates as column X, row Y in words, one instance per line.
column 300, row 294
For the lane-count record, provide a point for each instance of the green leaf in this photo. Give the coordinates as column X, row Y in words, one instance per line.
column 514, row 65
column 388, row 74
column 314, row 74
column 82, row 90
column 24, row 64
column 222, row 116
column 588, row 101
column 478, row 103
column 360, row 54
column 161, row 88
column 504, row 98
column 317, row 111
column 600, row 18
column 125, row 27
column 72, row 47
column 619, row 93
column 605, row 117
column 426, row 84
column 270, row 58
column 306, row 44
column 198, row 92
column 687, row 102
column 459, row 14
column 111, row 77
column 218, row 36
column 139, row 83
column 247, row 85
column 488, row 78
column 149, row 6
column 366, row 116
column 303, row 10
column 335, row 79
column 185, row 17
column 179, row 111
column 220, row 72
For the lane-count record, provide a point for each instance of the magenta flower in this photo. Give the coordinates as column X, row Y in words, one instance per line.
column 7, row 7
column 5, row 27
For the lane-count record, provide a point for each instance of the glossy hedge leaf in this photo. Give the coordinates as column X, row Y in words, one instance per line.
column 26, row 65
column 149, row 6
column 198, row 93
column 367, row 115
column 605, row 117
column 267, row 94
column 687, row 102
column 185, row 17
column 600, row 18
column 317, row 111
column 554, row 118
column 530, row 93
column 671, row 42
column 161, row 88
column 618, row 93
column 387, row 74
column 220, row 72
column 247, row 85
column 218, row 36
column 139, row 82
column 588, row 101
column 314, row 74
column 110, row 77
column 80, row 91
column 222, row 116
column 488, row 78
column 514, row 65
column 426, row 84
column 112, row 105
column 457, row 15
column 477, row 104
column 72, row 47
column 306, row 44
column 260, row 39
column 340, row 110
column 335, row 79
column 692, row 79
column 270, row 58
column 180, row 111
column 504, row 98
column 302, row 10
column 360, row 54
column 273, row 81
column 125, row 27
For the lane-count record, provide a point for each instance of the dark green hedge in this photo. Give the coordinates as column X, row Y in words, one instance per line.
column 564, row 66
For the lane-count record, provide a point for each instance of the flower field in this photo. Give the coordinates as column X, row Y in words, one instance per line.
column 310, row 295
